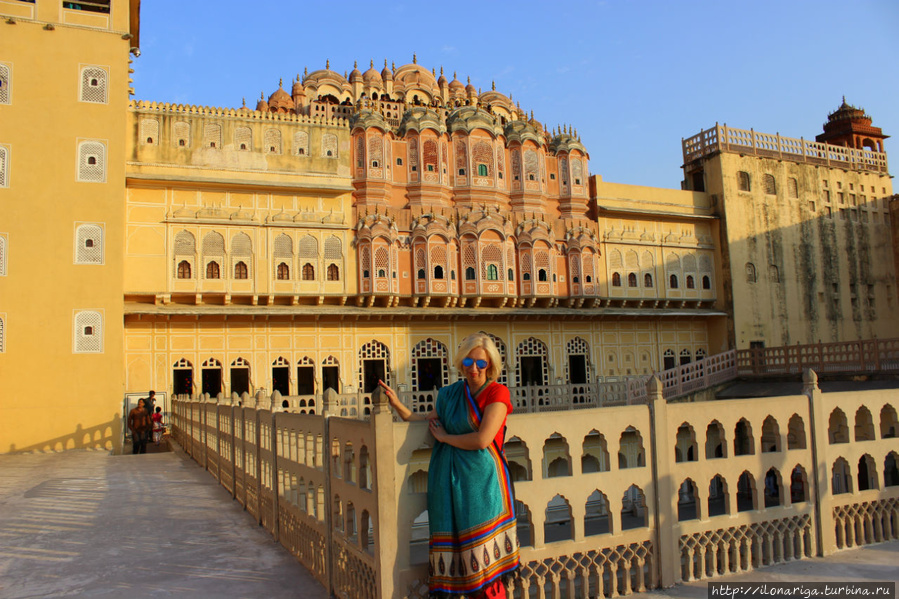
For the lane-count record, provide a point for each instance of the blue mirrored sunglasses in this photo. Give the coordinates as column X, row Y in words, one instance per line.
column 467, row 362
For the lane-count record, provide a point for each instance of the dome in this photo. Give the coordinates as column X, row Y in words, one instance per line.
column 456, row 85
column 441, row 81
column 371, row 76
column 386, row 74
column 298, row 89
column 355, row 74
column 262, row 104
column 470, row 89
column 415, row 76
column 325, row 75
column 280, row 99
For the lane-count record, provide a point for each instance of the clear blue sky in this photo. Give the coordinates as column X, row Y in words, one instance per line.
column 633, row 77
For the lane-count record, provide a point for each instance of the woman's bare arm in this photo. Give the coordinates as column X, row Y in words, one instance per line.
column 402, row 411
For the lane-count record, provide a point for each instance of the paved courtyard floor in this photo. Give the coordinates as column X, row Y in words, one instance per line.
column 88, row 524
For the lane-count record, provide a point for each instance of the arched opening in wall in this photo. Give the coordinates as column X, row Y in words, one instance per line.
column 364, row 469
column 182, row 378
column 523, row 525
column 867, row 473
column 518, row 458
column 685, row 448
column 691, row 283
column 616, row 279
column 891, row 470
column 889, row 424
column 841, row 477
column 306, row 377
column 706, row 282
column 647, row 281
column 418, row 482
column 595, row 453
column 418, row 541
column 838, row 427
column 532, row 363
column 672, row 282
column 281, row 376
column 743, row 181
column 438, row 273
column 300, row 495
column 337, row 514
column 687, row 501
column 375, row 359
column 578, row 364
column 669, row 360
column 746, row 499
column 715, row 443
column 367, row 533
column 308, row 272
column 330, row 374
column 719, row 501
column 633, row 508
column 597, row 519
column 798, row 485
column 685, row 357
column 333, row 273
column 796, row 433
column 773, row 488
column 352, row 532
column 556, row 457
column 240, row 271
column 770, row 435
column 470, row 273
column 630, row 452
column 430, row 365
column 751, row 273
column 211, row 374
column 631, row 280
column 184, row 270
column 240, row 376
column 557, row 524
column 864, row 425
column 349, row 463
column 743, row 442
column 283, row 273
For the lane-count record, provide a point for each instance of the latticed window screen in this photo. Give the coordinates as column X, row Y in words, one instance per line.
column 213, row 244
column 92, row 162
column 577, row 171
column 420, row 261
column 375, row 151
column 5, row 82
column 185, row 244
column 382, row 261
column 461, row 154
column 526, row 264
column 88, row 332
column 500, row 157
column 531, row 166
column 2, row 333
column 468, row 255
column 333, row 248
column 212, row 136
column 413, row 152
column 181, row 133
column 241, row 245
column 93, row 85
column 430, row 348
column 301, row 143
column 374, row 350
column 273, row 141
column 4, row 167
column 360, row 151
column 366, row 260
column 149, row 131
column 531, row 347
column 793, row 187
column 308, row 247
column 589, row 267
column 2, row 256
column 770, row 185
column 283, row 246
column 438, row 256
column 516, row 164
column 672, row 262
column 329, row 145
column 430, row 154
column 574, row 264
column 89, row 244
column 563, row 171
column 243, row 138
column 631, row 260
column 615, row 259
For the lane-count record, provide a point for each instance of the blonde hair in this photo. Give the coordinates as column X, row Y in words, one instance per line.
column 484, row 341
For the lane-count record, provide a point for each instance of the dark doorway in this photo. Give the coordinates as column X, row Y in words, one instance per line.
column 577, row 369
column 183, row 382
column 429, row 374
column 669, row 362
column 331, row 378
column 281, row 380
column 240, row 380
column 372, row 372
column 305, row 380
column 531, row 370
column 212, row 381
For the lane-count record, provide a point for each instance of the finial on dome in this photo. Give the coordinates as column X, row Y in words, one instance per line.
column 371, row 63
column 243, row 103
column 433, row 72
column 281, row 82
column 532, row 114
column 844, row 98
column 385, row 63
column 454, row 75
column 393, row 66
column 469, row 80
column 262, row 95
column 355, row 66
column 414, row 58
column 328, row 64
column 441, row 69
column 493, row 85
column 344, row 74
column 305, row 72
column 298, row 77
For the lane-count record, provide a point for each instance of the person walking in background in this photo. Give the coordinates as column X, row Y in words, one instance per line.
column 139, row 425
column 473, row 544
column 158, row 429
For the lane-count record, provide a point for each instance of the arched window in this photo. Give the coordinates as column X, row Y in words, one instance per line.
column 184, row 269
column 482, row 170
column 616, row 279
column 706, row 282
column 690, row 283
column 541, row 274
column 421, row 273
column 283, row 272
column 213, row 271
column 647, row 281
column 469, row 273
column 333, row 272
column 631, row 280
column 438, row 272
column 743, row 183
column 770, row 185
column 672, row 282
column 492, row 272
column 240, row 271
column 751, row 275
column 308, row 272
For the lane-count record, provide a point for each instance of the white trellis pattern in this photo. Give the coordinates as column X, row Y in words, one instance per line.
column 2, row 333
column 301, row 143
column 5, row 85
column 529, row 348
column 4, row 167
column 272, row 141
column 430, row 348
column 2, row 255
column 94, row 85
column 212, row 136
column 89, row 244
column 579, row 347
column 181, row 133
column 149, row 131
column 92, row 161
column 88, row 333
column 243, row 138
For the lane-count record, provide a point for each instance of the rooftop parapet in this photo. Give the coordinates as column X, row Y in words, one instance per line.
column 722, row 138
column 245, row 113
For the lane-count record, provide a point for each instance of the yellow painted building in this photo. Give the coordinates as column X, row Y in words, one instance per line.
column 359, row 227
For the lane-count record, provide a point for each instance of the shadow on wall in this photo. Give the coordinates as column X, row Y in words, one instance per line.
column 107, row 435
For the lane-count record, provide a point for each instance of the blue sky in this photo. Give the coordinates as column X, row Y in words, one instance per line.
column 633, row 77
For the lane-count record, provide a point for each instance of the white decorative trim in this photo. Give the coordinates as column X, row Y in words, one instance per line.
column 87, row 331
column 94, row 232
column 86, row 149
column 6, row 90
column 93, row 94
column 3, row 327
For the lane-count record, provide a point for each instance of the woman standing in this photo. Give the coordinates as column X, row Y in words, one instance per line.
column 473, row 545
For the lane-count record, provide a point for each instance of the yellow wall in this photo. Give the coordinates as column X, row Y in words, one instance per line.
column 41, row 207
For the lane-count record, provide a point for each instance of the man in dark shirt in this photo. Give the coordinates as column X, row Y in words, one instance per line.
column 139, row 424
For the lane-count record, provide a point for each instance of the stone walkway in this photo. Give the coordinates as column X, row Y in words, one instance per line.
column 87, row 524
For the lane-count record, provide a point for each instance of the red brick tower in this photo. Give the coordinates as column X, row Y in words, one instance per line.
column 850, row 127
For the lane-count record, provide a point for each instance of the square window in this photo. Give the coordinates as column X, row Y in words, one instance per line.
column 399, row 162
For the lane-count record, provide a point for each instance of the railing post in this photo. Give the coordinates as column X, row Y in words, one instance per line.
column 273, row 444
column 385, row 491
column 329, row 407
column 667, row 556
column 235, row 400
column 821, row 493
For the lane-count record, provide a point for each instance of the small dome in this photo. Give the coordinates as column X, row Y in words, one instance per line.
column 371, row 76
column 298, row 89
column 386, row 74
column 262, row 104
column 441, row 81
column 456, row 85
column 470, row 89
column 355, row 74
column 280, row 97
